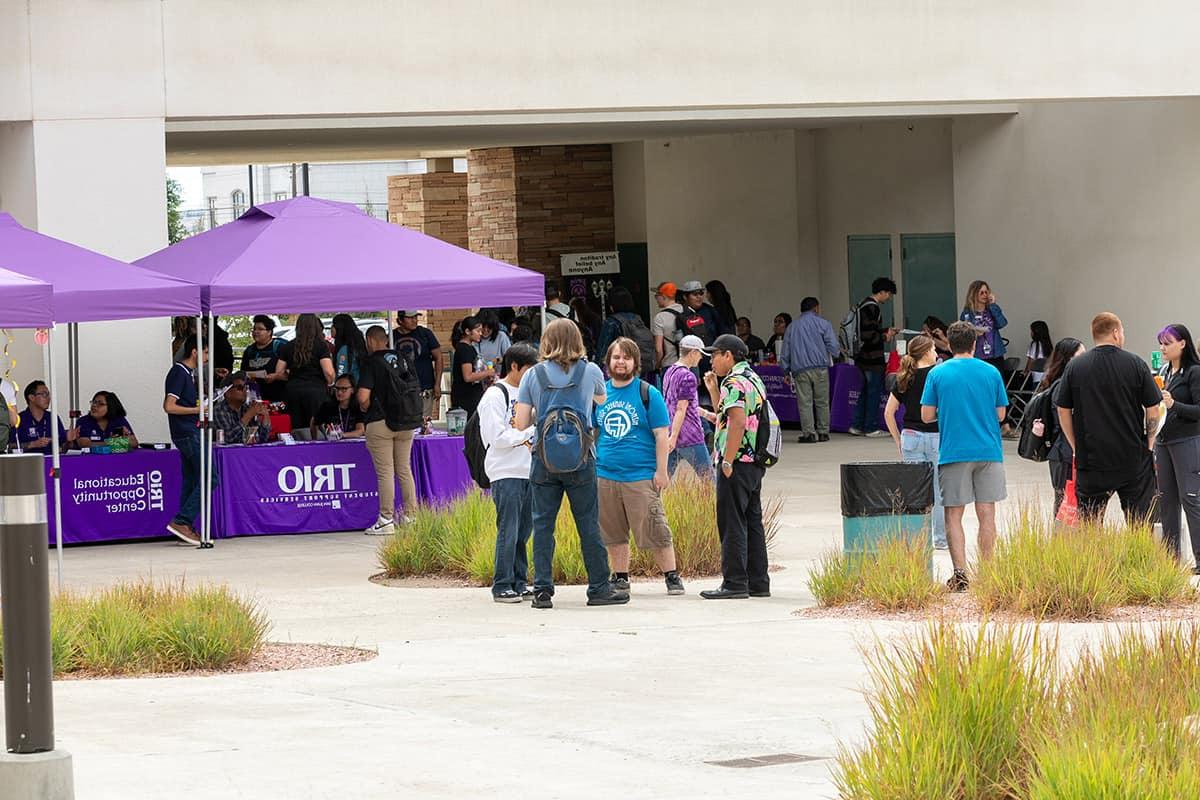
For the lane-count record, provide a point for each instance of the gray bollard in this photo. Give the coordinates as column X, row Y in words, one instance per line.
column 31, row 767
column 25, row 598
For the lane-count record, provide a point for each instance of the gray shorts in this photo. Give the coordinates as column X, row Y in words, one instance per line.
column 967, row 482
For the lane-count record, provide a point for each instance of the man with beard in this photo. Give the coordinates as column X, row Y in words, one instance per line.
column 631, row 467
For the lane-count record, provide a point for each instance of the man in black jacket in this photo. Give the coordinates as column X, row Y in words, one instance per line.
column 873, row 338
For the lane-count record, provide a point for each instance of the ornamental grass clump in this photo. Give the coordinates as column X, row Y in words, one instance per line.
column 895, row 577
column 140, row 627
column 458, row 540
column 990, row 714
column 1085, row 572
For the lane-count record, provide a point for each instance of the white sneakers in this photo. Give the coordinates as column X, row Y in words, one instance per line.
column 877, row 434
column 386, row 527
column 382, row 527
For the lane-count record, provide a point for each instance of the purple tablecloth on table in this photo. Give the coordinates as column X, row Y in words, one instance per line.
column 845, row 385
column 323, row 486
column 116, row 496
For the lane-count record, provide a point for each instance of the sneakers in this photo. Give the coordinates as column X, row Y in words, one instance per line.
column 941, row 545
column 855, row 432
column 957, row 582
column 674, row 584
column 382, row 527
column 507, row 596
column 542, row 600
column 183, row 532
column 527, row 594
column 806, row 438
column 613, row 598
column 822, row 437
column 878, row 435
column 407, row 520
column 619, row 584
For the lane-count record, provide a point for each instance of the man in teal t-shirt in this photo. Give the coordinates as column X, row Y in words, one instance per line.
column 966, row 397
column 631, row 466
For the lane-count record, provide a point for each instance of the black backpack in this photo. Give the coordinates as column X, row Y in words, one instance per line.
column 690, row 323
column 403, row 409
column 634, row 327
column 1040, row 406
column 474, row 448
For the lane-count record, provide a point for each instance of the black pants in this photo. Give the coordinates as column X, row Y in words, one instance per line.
column 1135, row 488
column 304, row 400
column 1179, row 485
column 740, row 524
column 1060, row 473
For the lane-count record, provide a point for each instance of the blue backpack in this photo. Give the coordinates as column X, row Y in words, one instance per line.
column 565, row 435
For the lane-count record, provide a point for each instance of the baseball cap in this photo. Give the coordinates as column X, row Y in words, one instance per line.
column 692, row 286
column 408, row 313
column 666, row 289
column 728, row 343
column 690, row 342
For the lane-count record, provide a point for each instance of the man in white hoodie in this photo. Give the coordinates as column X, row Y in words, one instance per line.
column 507, row 465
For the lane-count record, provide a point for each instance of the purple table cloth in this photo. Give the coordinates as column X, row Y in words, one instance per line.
column 117, row 496
column 323, row 486
column 845, row 385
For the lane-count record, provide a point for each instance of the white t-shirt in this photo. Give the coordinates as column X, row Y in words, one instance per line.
column 508, row 455
column 9, row 391
column 664, row 325
column 1035, row 352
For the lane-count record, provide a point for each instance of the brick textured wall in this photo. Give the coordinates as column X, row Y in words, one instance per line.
column 529, row 205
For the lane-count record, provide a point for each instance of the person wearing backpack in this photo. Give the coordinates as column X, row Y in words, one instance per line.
column 389, row 393
column 624, row 321
column 506, row 464
column 1061, row 458
column 738, row 396
column 260, row 361
column 631, row 467
column 867, row 340
column 665, row 326
column 559, row 395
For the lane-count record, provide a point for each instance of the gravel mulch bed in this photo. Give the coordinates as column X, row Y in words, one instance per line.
column 274, row 657
column 963, row 607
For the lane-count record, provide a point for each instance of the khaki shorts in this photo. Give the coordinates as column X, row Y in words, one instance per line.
column 967, row 482
column 636, row 506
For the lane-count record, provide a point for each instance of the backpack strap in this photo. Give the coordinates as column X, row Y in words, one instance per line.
column 644, row 388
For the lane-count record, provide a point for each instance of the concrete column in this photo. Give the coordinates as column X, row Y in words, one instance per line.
column 101, row 184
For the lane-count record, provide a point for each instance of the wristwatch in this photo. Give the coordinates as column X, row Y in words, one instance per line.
column 725, row 464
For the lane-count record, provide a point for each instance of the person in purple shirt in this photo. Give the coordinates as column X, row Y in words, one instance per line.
column 33, row 424
column 683, row 406
column 105, row 421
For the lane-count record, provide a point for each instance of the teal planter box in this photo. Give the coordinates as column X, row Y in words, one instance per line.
column 886, row 500
column 863, row 534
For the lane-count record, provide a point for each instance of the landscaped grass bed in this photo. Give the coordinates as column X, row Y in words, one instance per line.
column 459, row 540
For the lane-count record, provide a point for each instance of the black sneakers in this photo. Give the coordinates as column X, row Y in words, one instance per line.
column 619, row 584
column 674, row 583
column 958, row 581
column 613, row 598
column 542, row 600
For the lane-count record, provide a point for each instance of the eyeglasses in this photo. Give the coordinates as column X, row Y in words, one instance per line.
column 239, row 387
column 343, row 388
column 41, row 394
column 99, row 403
column 260, row 329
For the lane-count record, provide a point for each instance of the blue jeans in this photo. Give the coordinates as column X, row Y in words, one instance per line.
column 916, row 446
column 695, row 454
column 514, row 523
column 866, row 415
column 189, row 490
column 580, row 488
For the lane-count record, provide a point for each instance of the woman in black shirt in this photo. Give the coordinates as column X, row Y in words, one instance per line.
column 919, row 440
column 1060, row 459
column 466, row 382
column 310, row 370
column 1177, row 453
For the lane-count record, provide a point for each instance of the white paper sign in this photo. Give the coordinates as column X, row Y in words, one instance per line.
column 602, row 263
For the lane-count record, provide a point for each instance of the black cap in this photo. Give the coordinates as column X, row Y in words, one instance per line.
column 728, row 343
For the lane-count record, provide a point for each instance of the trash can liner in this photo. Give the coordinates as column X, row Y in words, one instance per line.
column 886, row 488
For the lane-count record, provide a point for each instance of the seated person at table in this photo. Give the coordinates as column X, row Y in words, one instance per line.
column 260, row 361
column 33, row 424
column 105, row 421
column 340, row 411
column 233, row 415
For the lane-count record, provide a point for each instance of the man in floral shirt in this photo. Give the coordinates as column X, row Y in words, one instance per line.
column 738, row 398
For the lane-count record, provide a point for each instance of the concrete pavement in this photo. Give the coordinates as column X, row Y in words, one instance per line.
column 470, row 698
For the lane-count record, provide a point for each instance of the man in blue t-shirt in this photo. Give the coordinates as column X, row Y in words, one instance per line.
column 182, row 407
column 631, row 466
column 967, row 399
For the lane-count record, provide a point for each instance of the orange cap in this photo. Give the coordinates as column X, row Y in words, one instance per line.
column 666, row 289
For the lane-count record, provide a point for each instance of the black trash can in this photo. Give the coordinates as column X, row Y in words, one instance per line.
column 883, row 500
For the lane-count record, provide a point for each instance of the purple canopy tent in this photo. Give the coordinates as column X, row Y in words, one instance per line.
column 86, row 287
column 320, row 256
column 25, row 302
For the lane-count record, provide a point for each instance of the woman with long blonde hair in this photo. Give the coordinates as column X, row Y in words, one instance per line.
column 919, row 440
column 981, row 310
